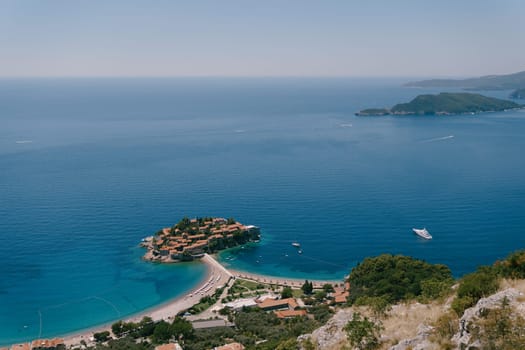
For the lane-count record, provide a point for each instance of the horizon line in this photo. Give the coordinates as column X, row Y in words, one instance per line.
column 7, row 77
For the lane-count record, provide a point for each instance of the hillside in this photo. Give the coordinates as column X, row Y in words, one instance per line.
column 452, row 103
column 519, row 93
column 443, row 104
column 489, row 82
column 483, row 310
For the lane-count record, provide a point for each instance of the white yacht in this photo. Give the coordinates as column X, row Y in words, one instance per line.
column 423, row 233
column 295, row 244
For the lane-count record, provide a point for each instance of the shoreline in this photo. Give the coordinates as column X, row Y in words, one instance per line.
column 281, row 281
column 216, row 276
column 215, row 272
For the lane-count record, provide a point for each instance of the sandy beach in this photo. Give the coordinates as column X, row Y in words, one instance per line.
column 281, row 281
column 216, row 277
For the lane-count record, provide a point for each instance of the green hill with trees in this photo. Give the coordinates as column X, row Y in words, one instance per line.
column 397, row 277
column 445, row 103
column 488, row 82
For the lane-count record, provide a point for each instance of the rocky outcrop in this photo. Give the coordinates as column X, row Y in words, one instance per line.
column 463, row 339
column 331, row 335
column 419, row 342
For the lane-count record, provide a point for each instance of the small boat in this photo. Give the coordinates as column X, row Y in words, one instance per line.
column 300, row 251
column 423, row 233
column 295, row 244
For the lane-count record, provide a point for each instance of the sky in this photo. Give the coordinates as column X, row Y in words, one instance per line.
column 328, row 38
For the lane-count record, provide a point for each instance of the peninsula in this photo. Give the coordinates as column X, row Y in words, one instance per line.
column 190, row 239
column 445, row 103
column 488, row 82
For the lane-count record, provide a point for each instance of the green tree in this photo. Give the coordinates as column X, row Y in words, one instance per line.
column 181, row 328
column 393, row 277
column 101, row 336
column 307, row 287
column 328, row 288
column 162, row 332
column 473, row 287
column 320, row 295
column 288, row 344
column 287, row 292
column 363, row 333
column 118, row 328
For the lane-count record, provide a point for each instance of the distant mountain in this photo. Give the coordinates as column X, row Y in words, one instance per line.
column 445, row 103
column 489, row 82
column 520, row 93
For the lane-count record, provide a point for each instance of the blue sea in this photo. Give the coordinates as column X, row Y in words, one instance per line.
column 88, row 167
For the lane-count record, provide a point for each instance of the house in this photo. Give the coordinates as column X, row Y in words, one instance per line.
column 289, row 313
column 24, row 346
column 170, row 346
column 279, row 304
column 341, row 294
column 230, row 346
column 48, row 344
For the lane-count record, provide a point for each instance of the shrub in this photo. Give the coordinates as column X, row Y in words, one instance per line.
column 394, row 278
column 363, row 333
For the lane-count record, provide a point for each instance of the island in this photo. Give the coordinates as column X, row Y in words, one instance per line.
column 190, row 239
column 488, row 82
column 445, row 103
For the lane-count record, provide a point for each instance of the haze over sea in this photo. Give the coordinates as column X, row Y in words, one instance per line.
column 88, row 167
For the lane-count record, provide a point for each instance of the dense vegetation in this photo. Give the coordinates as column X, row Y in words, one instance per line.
column 485, row 280
column 376, row 282
column 452, row 103
column 251, row 326
column 490, row 82
column 396, row 278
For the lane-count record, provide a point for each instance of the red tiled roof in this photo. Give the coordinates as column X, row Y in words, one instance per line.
column 231, row 346
column 271, row 303
column 24, row 346
column 46, row 343
column 290, row 313
column 170, row 346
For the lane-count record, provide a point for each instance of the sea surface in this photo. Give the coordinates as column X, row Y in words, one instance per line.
column 88, row 167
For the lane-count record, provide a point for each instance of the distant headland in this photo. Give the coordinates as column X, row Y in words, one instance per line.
column 488, row 82
column 445, row 103
column 190, row 239
column 514, row 81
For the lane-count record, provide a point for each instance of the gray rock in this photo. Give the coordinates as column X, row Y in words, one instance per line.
column 332, row 334
column 463, row 337
column 419, row 342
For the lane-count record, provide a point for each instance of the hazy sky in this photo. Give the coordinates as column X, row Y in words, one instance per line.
column 261, row 38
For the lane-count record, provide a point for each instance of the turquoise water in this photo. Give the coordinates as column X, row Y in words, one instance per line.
column 90, row 166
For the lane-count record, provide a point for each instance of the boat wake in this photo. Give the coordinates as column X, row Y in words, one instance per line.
column 438, row 139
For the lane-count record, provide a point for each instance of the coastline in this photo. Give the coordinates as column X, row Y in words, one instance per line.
column 216, row 276
column 168, row 310
column 281, row 281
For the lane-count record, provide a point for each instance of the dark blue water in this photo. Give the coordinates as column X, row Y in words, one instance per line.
column 89, row 167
